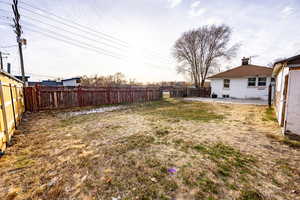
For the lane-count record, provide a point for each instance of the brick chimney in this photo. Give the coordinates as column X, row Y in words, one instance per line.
column 245, row 61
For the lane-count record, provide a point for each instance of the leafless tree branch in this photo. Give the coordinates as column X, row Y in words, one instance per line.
column 198, row 51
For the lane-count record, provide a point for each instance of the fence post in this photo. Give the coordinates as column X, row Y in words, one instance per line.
column 118, row 93
column 270, row 96
column 4, row 116
column 37, row 92
column 13, row 105
column 17, row 104
column 108, row 95
column 131, row 96
column 79, row 99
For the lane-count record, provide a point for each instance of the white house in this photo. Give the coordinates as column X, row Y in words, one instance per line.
column 71, row 82
column 244, row 82
column 287, row 94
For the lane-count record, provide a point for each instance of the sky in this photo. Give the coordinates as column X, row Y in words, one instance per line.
column 67, row 38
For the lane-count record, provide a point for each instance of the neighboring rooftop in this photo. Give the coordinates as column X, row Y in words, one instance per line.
column 290, row 61
column 69, row 79
column 245, row 70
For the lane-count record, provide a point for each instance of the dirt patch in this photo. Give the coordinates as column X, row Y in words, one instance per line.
column 161, row 150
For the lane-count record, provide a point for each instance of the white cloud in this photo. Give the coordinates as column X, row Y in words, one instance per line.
column 214, row 20
column 174, row 3
column 2, row 26
column 196, row 10
column 287, row 11
column 195, row 4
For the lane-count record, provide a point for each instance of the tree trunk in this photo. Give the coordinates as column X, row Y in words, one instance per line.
column 202, row 82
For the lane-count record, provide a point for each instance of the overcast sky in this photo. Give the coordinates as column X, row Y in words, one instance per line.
column 138, row 35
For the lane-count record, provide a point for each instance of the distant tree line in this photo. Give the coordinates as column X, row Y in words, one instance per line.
column 119, row 80
column 116, row 80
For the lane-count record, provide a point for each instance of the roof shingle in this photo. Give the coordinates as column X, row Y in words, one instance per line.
column 245, row 71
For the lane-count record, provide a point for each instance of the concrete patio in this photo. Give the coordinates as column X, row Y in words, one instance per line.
column 229, row 101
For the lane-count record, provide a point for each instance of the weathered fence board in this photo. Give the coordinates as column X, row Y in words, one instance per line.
column 190, row 92
column 12, row 107
column 51, row 97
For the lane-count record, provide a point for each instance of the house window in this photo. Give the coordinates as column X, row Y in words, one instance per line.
column 226, row 83
column 262, row 81
column 251, row 82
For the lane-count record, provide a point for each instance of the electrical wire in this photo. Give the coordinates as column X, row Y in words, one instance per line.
column 80, row 26
column 71, row 32
column 85, row 47
column 71, row 26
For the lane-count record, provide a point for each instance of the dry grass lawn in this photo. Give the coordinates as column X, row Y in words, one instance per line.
column 163, row 150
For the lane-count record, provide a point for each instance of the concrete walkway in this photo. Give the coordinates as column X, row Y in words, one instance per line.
column 229, row 101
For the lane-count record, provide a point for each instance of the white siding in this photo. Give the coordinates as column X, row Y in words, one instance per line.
column 239, row 89
column 70, row 83
column 293, row 104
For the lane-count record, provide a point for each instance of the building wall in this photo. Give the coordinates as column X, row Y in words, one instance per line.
column 70, row 83
column 239, row 89
column 293, row 103
column 280, row 82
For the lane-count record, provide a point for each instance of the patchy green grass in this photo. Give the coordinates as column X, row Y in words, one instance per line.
column 129, row 154
column 130, row 143
column 269, row 115
column 285, row 140
column 225, row 152
column 77, row 120
column 251, row 195
column 229, row 161
column 182, row 110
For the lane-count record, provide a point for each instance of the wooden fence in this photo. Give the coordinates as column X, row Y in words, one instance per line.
column 190, row 92
column 49, row 97
column 12, row 107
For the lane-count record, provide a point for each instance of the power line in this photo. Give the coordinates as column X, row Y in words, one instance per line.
column 9, row 46
column 73, row 33
column 106, row 52
column 65, row 30
column 74, row 27
column 79, row 35
column 5, row 24
column 80, row 26
column 68, row 32
column 86, row 27
column 70, row 43
column 80, row 46
column 86, row 46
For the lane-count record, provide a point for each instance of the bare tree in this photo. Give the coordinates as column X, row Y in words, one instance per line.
column 198, row 51
column 271, row 64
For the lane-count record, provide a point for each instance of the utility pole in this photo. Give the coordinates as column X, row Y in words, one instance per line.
column 1, row 61
column 18, row 31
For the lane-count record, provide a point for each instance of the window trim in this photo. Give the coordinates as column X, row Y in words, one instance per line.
column 266, row 80
column 224, row 80
column 248, row 81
